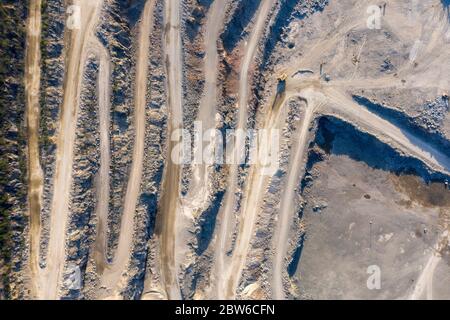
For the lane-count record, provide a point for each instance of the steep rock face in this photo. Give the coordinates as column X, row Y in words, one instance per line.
column 13, row 218
column 288, row 11
column 198, row 277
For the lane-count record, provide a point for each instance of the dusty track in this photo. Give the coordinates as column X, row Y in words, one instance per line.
column 425, row 280
column 226, row 286
column 402, row 139
column 35, row 175
column 331, row 101
column 102, row 180
column 76, row 57
column 198, row 191
column 111, row 273
column 335, row 101
column 170, row 201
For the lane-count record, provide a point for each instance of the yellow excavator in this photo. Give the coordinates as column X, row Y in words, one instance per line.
column 282, row 77
column 281, row 86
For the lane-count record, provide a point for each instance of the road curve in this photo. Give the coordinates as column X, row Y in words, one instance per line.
column 229, row 204
column 425, row 280
column 111, row 273
column 76, row 57
column 198, row 191
column 297, row 165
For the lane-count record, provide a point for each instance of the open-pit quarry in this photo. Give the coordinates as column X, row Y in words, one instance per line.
column 225, row 149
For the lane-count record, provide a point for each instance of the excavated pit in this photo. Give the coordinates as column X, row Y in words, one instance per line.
column 356, row 218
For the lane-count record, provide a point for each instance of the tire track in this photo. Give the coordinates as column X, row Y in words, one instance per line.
column 330, row 101
column 226, row 285
column 199, row 193
column 76, row 58
column 170, row 201
column 35, row 173
column 111, row 273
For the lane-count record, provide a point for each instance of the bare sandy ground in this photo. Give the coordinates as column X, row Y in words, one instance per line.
column 198, row 193
column 224, row 283
column 50, row 277
column 111, row 273
column 32, row 84
column 170, row 201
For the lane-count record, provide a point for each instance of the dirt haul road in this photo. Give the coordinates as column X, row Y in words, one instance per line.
column 330, row 101
column 170, row 202
column 425, row 280
column 198, row 191
column 35, row 174
column 230, row 199
column 253, row 195
column 297, row 164
column 111, row 277
column 76, row 57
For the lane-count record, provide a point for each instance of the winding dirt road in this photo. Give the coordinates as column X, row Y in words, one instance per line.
column 323, row 99
column 102, row 181
column 76, row 58
column 332, row 102
column 226, row 285
column 198, row 190
column 111, row 273
column 400, row 138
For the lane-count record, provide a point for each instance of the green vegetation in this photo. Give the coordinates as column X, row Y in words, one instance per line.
column 12, row 142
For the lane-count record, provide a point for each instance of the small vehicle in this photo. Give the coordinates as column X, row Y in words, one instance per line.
column 282, row 77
